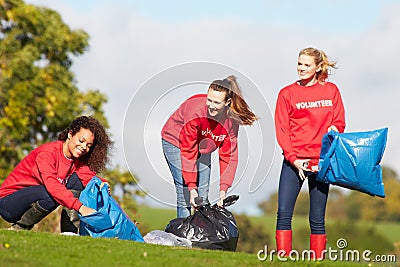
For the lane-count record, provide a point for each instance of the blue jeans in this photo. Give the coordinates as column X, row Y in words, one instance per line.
column 289, row 187
column 13, row 206
column 173, row 157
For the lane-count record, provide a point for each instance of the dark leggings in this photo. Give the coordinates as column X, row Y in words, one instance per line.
column 289, row 188
column 13, row 206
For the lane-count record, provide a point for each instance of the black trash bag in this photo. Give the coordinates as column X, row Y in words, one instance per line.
column 209, row 227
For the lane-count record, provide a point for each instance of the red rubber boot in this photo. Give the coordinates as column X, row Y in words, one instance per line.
column 284, row 241
column 318, row 245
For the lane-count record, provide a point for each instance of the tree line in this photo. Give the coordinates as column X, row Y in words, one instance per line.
column 350, row 204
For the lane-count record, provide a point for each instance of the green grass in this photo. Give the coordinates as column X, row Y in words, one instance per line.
column 29, row 248
column 269, row 221
column 150, row 218
column 390, row 230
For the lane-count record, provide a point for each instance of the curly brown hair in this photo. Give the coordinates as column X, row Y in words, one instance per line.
column 97, row 157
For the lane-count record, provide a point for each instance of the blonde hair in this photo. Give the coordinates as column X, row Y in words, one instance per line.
column 321, row 60
column 238, row 110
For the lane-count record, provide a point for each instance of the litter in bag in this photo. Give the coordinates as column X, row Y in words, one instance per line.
column 109, row 220
column 209, row 227
column 159, row 237
column 352, row 160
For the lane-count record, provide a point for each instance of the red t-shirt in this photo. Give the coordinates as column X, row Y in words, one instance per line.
column 303, row 115
column 46, row 165
column 192, row 130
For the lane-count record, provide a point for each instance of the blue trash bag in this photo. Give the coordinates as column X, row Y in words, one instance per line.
column 351, row 160
column 109, row 220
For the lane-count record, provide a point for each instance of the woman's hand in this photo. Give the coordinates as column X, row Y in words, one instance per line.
column 302, row 165
column 222, row 196
column 193, row 195
column 333, row 128
column 108, row 187
column 85, row 211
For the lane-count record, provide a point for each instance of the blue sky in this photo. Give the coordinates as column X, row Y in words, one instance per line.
column 350, row 15
column 333, row 16
column 134, row 42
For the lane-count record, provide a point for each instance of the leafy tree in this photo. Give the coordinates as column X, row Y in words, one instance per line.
column 302, row 206
column 269, row 206
column 38, row 94
column 252, row 236
column 352, row 205
column 336, row 203
column 365, row 207
column 125, row 182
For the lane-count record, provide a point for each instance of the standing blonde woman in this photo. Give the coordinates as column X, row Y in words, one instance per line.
column 305, row 111
column 202, row 124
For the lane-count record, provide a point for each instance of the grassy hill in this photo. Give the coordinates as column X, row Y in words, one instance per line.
column 30, row 248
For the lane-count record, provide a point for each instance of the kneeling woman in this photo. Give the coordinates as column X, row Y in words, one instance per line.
column 54, row 174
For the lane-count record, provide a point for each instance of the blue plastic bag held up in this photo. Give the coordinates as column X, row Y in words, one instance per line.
column 109, row 220
column 351, row 160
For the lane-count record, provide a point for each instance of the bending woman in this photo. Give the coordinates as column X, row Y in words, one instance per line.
column 201, row 125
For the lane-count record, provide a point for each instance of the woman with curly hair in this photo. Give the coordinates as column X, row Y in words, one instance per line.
column 54, row 174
